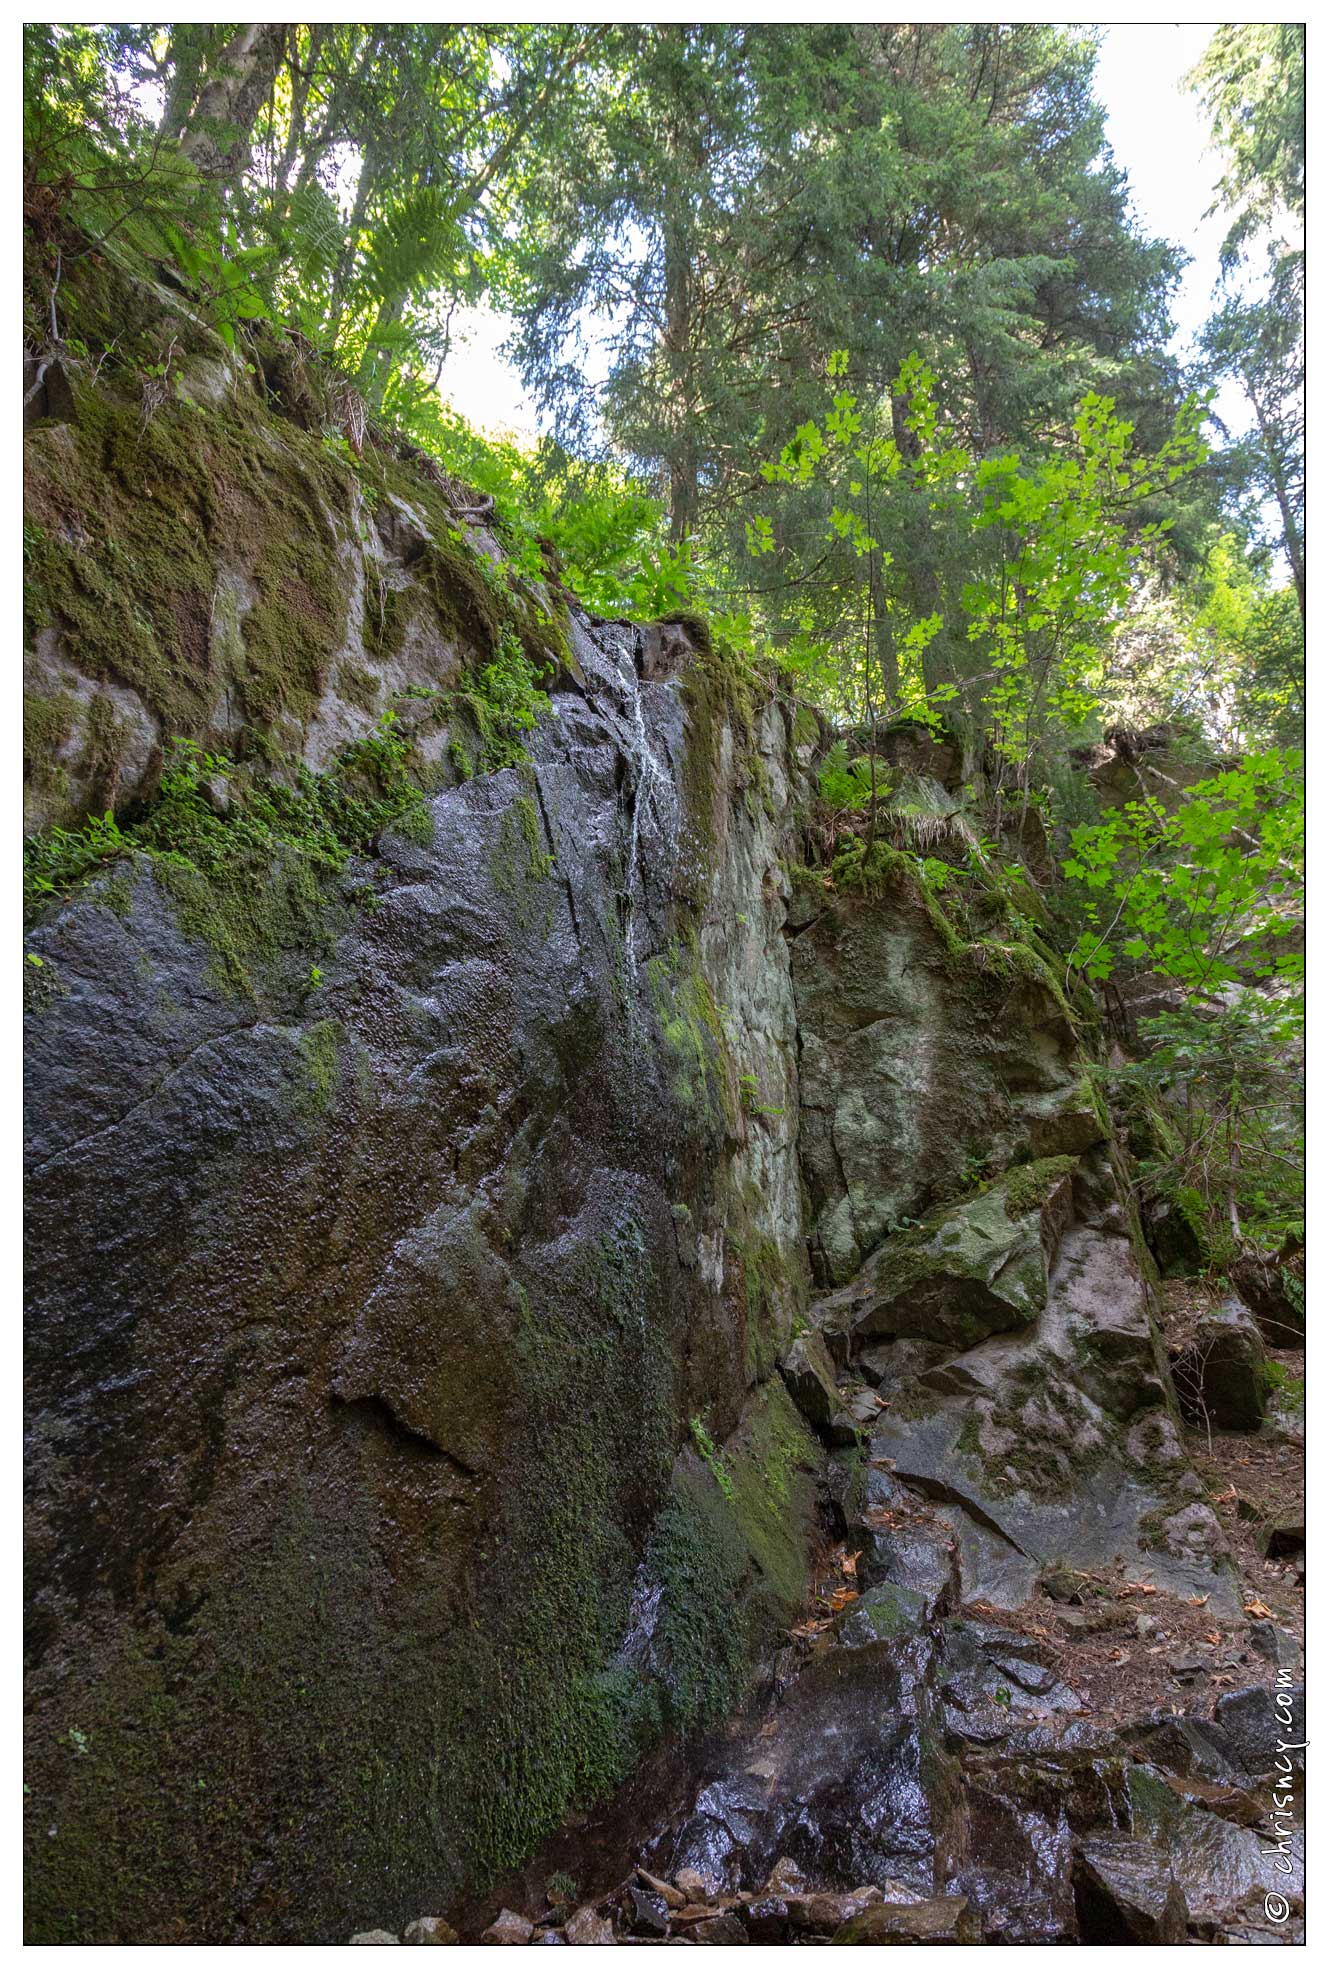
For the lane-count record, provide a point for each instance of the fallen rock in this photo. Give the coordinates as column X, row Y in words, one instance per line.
column 972, row 1269
column 810, row 1378
column 766, row 1919
column 884, row 1613
column 899, row 1360
column 587, row 1927
column 786, row 1877
column 431, row 1928
column 826, row 1914
column 1275, row 1643
column 722, row 1930
column 374, row 1935
column 1283, row 1538
column 1226, row 1801
column 670, row 1895
column 1125, row 1891
column 1219, row 1374
column 1252, row 1724
column 947, row 1918
column 645, row 1911
column 510, row 1929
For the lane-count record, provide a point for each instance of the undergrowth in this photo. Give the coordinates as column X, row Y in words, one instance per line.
column 244, row 860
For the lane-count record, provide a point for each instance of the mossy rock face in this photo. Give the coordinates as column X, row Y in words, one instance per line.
column 390, row 1226
column 927, row 1062
column 976, row 1268
column 221, row 568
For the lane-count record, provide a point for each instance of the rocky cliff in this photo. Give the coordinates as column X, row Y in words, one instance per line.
column 496, row 1218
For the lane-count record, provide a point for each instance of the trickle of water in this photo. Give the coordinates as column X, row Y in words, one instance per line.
column 653, row 801
column 646, row 775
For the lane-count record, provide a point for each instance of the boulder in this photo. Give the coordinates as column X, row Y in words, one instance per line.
column 372, row 1935
column 1283, row 1537
column 810, row 1378
column 972, row 1268
column 587, row 1927
column 766, row 1919
column 1125, row 1891
column 883, row 1613
column 1219, row 1373
column 1273, row 1285
column 723, row 1930
column 509, row 1929
column 1254, row 1723
column 949, row 1918
column 431, row 1928
column 668, row 1893
column 645, row 1911
column 826, row 1914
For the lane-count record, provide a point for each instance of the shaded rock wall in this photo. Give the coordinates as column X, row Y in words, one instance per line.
column 382, row 1328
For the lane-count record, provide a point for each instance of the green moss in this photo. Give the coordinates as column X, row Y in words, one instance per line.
column 912, row 1402
column 893, row 1612
column 719, row 688
column 1029, row 1185
column 256, row 882
column 320, row 1052
column 501, row 703
column 733, row 1565
column 361, row 686
column 880, row 869
column 711, row 1456
column 693, row 1035
column 1020, row 962
column 968, row 1443
column 807, row 726
column 520, row 857
column 197, row 554
column 128, row 537
column 48, row 724
column 249, row 915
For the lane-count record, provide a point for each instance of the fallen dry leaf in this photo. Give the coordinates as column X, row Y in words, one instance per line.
column 1258, row 1610
column 1198, row 1600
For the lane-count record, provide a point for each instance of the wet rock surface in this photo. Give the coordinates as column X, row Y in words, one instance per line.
column 368, row 1317
column 601, row 1311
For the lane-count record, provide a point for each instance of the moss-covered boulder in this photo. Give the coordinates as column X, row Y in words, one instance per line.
column 971, row 1269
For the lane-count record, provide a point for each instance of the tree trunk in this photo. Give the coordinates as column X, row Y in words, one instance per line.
column 1292, row 540
column 678, row 337
column 218, row 134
